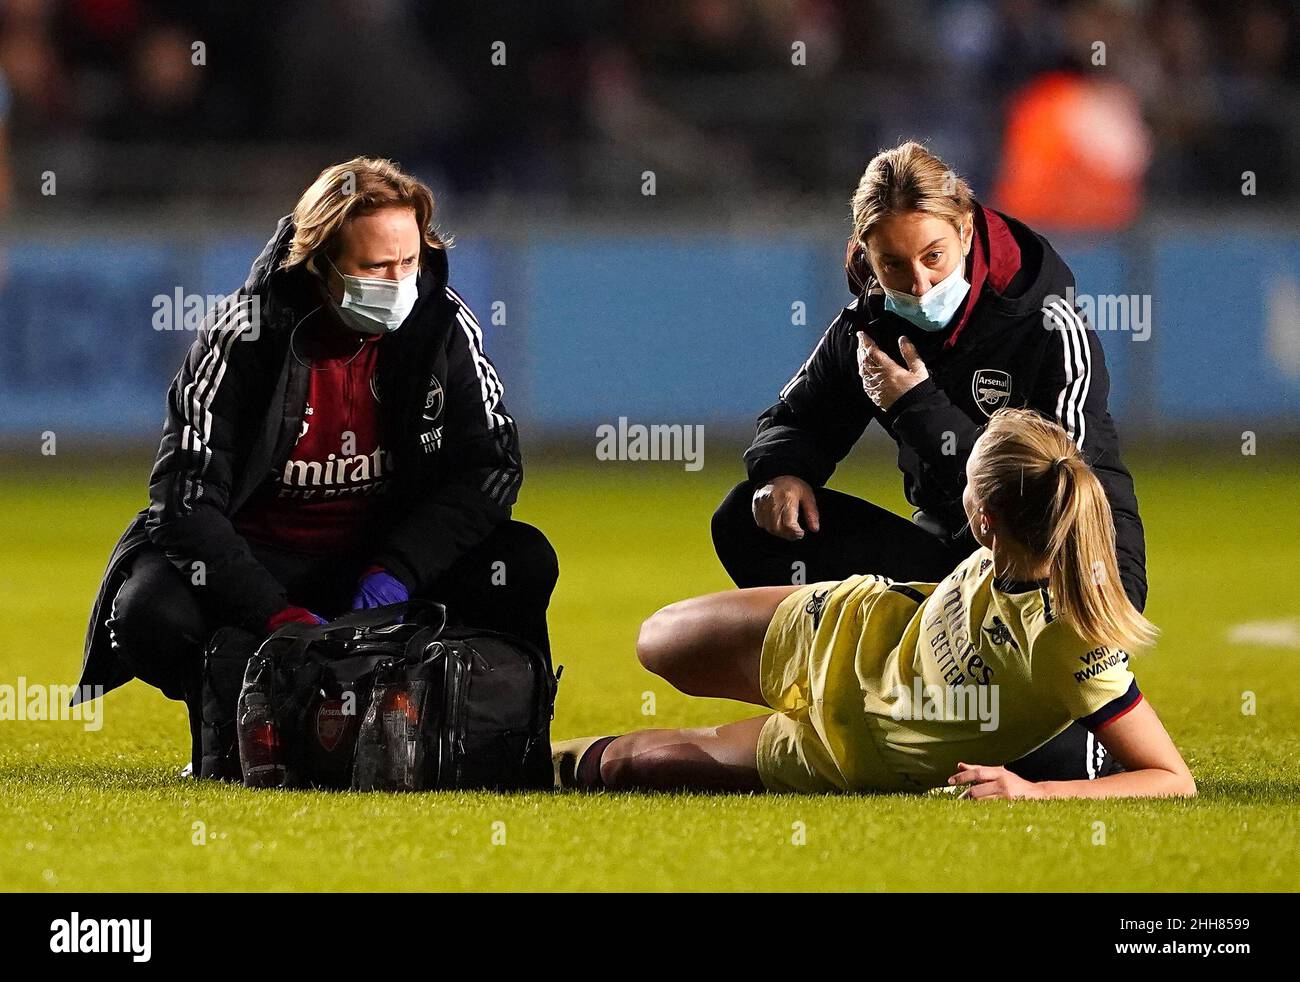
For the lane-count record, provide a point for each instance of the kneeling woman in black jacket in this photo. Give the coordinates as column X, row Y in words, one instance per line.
column 959, row 311
column 335, row 439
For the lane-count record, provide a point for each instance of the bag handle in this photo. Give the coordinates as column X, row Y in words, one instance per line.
column 304, row 635
column 379, row 616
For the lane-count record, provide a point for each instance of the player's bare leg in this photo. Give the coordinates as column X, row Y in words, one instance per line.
column 710, row 758
column 705, row 646
column 710, row 645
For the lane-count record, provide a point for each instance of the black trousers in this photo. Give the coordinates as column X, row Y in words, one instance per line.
column 160, row 624
column 859, row 537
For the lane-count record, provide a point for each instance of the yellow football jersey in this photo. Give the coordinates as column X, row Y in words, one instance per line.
column 886, row 686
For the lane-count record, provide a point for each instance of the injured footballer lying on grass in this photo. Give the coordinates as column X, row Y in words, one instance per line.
column 894, row 687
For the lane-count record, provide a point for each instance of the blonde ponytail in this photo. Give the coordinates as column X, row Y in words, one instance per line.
column 1084, row 575
column 1046, row 497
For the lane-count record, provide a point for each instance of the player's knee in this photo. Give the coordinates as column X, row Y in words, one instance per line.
column 658, row 643
column 648, row 644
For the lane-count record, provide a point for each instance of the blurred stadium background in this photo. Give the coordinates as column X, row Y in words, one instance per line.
column 673, row 307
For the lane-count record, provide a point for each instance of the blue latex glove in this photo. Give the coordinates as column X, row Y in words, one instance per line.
column 378, row 588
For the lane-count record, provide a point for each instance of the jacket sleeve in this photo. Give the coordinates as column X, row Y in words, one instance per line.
column 818, row 417
column 481, row 468
column 941, row 435
column 1073, row 389
column 220, row 383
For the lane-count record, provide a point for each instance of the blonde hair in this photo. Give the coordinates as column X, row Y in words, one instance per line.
column 350, row 189
column 909, row 178
column 1042, row 492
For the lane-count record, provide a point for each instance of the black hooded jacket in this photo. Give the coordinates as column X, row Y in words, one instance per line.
column 1024, row 347
column 234, row 412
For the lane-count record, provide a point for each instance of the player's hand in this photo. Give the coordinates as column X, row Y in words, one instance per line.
column 982, row 782
column 884, row 379
column 777, row 507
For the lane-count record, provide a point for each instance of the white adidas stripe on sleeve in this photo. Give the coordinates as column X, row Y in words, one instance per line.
column 202, row 389
column 490, row 387
column 1078, row 369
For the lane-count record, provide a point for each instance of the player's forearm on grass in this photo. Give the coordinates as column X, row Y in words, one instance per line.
column 1153, row 782
column 1153, row 765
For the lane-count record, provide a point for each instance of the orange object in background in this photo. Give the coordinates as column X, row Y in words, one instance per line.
column 1075, row 154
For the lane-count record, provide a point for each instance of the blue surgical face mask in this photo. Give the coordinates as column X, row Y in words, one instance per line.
column 933, row 309
column 374, row 305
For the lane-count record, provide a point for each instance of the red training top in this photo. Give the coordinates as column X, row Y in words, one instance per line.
column 325, row 500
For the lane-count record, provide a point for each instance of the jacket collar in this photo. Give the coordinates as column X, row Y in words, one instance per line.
column 993, row 262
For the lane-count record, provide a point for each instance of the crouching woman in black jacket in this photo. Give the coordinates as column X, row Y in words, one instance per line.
column 959, row 311
column 334, row 440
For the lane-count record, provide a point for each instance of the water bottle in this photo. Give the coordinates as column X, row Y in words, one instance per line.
column 388, row 756
column 260, row 753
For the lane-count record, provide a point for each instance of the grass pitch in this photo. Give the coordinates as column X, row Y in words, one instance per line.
column 106, row 810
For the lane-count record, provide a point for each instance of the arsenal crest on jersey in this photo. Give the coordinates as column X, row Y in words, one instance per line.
column 991, row 389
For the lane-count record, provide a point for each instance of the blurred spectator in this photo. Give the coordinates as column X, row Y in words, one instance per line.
column 711, row 92
column 1075, row 155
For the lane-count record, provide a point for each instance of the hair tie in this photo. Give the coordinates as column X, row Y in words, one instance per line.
column 1059, row 463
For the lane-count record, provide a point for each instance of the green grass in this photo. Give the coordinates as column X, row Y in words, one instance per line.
column 89, row 811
